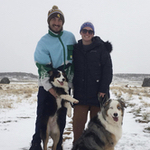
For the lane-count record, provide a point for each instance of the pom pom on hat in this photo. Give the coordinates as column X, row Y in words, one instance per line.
column 55, row 12
column 87, row 24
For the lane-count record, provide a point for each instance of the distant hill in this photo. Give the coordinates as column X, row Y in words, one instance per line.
column 18, row 76
column 130, row 77
column 22, row 76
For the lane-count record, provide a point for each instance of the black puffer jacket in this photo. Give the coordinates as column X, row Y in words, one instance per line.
column 92, row 71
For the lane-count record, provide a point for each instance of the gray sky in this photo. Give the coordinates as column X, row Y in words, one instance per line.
column 125, row 23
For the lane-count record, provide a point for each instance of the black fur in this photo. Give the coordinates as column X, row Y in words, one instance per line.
column 54, row 74
column 50, row 105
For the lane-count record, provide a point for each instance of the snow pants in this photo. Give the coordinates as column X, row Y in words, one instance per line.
column 42, row 97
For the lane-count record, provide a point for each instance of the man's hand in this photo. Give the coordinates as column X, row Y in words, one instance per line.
column 53, row 92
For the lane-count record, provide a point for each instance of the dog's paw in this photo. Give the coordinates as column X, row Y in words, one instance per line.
column 69, row 109
column 75, row 101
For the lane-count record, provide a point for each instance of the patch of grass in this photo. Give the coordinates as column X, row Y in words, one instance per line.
column 17, row 93
column 140, row 97
column 142, row 121
column 137, row 111
column 6, row 103
column 147, row 129
column 131, row 104
column 66, row 138
column 129, row 92
column 145, row 116
column 66, row 133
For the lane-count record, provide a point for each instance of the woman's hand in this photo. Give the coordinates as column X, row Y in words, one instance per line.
column 102, row 94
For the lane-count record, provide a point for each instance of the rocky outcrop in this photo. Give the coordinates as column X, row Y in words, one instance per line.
column 5, row 80
column 146, row 82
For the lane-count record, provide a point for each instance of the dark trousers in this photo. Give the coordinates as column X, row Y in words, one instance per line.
column 43, row 96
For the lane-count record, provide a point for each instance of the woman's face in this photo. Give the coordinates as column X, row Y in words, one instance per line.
column 87, row 34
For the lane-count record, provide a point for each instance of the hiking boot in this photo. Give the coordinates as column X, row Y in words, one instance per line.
column 35, row 146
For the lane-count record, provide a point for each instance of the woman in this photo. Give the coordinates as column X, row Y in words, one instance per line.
column 92, row 75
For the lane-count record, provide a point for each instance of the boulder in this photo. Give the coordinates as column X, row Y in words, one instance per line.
column 146, row 82
column 5, row 80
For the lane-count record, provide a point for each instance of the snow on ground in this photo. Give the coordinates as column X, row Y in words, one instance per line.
column 18, row 113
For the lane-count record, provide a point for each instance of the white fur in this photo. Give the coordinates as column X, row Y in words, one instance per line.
column 67, row 97
column 69, row 109
column 58, row 99
column 53, row 131
column 109, row 124
column 60, row 79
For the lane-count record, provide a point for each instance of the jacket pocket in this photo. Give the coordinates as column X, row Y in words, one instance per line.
column 70, row 51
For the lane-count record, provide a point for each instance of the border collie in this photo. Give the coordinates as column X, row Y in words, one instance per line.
column 52, row 109
column 105, row 129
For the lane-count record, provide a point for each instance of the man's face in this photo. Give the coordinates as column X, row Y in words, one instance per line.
column 56, row 24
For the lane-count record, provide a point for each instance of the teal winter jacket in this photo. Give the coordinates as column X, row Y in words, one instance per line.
column 54, row 51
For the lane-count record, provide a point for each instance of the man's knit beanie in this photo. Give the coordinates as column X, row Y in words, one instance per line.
column 55, row 12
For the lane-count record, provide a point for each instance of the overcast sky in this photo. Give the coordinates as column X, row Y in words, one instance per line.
column 125, row 23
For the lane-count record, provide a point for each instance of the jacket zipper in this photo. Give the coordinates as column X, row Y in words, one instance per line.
column 63, row 51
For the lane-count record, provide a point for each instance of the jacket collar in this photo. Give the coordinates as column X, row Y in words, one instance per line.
column 55, row 34
column 96, row 42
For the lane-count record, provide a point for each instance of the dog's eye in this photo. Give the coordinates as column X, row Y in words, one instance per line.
column 58, row 75
column 111, row 107
column 119, row 107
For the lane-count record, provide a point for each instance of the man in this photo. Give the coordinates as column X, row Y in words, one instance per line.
column 53, row 50
column 92, row 75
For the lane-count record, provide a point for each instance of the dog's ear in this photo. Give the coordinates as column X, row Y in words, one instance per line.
column 102, row 100
column 50, row 73
column 107, row 102
column 122, row 103
column 61, row 68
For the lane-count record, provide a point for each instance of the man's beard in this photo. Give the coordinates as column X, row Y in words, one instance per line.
column 55, row 31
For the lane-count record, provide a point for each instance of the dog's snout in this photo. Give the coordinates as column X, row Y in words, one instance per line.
column 115, row 114
column 63, row 79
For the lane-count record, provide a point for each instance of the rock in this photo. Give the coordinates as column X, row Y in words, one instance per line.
column 5, row 80
column 146, row 82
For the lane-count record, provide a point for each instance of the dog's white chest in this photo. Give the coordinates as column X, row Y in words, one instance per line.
column 58, row 99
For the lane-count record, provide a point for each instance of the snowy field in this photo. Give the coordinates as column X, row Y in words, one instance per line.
column 18, row 112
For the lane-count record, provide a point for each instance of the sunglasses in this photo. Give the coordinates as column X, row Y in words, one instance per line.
column 84, row 31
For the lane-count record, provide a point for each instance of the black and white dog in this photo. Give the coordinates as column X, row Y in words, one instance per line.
column 105, row 129
column 53, row 107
